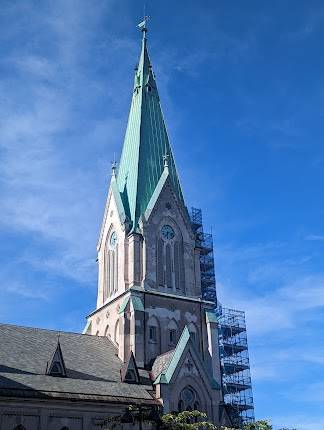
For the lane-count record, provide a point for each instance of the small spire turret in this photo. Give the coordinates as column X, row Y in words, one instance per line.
column 166, row 157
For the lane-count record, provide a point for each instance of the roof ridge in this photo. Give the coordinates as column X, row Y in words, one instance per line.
column 49, row 329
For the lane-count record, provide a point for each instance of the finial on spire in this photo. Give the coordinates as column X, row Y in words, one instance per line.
column 166, row 159
column 143, row 25
column 113, row 167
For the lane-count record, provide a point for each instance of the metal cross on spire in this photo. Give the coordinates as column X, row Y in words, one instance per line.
column 113, row 166
column 143, row 25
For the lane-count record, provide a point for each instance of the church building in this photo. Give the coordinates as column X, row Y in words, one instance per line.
column 153, row 340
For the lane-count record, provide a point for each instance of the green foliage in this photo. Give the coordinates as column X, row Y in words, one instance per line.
column 258, row 425
column 261, row 425
column 187, row 420
column 196, row 420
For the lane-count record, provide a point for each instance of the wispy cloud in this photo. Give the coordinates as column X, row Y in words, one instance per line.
column 315, row 237
column 44, row 191
column 272, row 289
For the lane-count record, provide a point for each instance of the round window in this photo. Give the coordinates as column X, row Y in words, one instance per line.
column 167, row 232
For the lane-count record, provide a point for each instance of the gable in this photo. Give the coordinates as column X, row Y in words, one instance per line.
column 56, row 366
column 129, row 371
column 165, row 203
column 188, row 367
column 114, row 212
column 191, row 366
column 185, row 360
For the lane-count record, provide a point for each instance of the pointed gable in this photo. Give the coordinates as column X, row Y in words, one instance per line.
column 181, row 353
column 146, row 141
column 129, row 371
column 56, row 366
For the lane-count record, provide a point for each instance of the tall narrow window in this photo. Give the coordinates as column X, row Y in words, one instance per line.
column 170, row 259
column 153, row 347
column 168, row 266
column 111, row 266
column 152, row 334
column 172, row 336
column 172, row 333
column 159, row 262
column 193, row 333
column 177, row 257
column 116, row 333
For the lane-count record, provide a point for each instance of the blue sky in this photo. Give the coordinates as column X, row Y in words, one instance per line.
column 242, row 92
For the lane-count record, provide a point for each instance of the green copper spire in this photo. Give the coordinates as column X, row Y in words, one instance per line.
column 146, row 143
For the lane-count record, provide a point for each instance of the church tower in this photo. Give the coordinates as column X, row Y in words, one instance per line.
column 149, row 301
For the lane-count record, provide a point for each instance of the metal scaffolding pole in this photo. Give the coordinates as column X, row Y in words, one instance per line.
column 235, row 365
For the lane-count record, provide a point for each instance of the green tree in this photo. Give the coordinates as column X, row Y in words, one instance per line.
column 187, row 420
column 261, row 425
column 258, row 425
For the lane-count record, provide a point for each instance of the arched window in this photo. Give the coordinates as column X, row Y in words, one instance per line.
column 172, row 333
column 111, row 265
column 65, row 428
column 193, row 333
column 106, row 330
column 169, row 258
column 189, row 400
column 153, row 338
column 19, row 427
column 116, row 333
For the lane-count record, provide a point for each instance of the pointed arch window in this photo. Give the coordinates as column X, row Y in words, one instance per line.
column 172, row 333
column 153, row 338
column 170, row 258
column 189, row 400
column 116, row 333
column 193, row 333
column 111, row 265
column 106, row 330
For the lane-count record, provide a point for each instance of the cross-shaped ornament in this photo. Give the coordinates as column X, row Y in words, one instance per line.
column 189, row 365
column 113, row 167
column 166, row 160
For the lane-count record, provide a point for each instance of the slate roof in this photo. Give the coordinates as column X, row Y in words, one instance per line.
column 161, row 363
column 92, row 366
column 146, row 141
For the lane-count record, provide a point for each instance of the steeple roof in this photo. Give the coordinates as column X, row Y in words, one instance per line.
column 146, row 142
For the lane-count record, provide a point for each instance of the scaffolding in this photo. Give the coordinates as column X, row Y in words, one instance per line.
column 235, row 365
column 204, row 242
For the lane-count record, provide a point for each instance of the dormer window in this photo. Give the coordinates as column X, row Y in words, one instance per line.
column 56, row 369
column 130, row 376
column 129, row 371
column 56, row 365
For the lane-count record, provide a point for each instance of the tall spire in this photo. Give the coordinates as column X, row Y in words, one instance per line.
column 146, row 142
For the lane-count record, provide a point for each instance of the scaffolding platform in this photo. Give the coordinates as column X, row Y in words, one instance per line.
column 233, row 346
